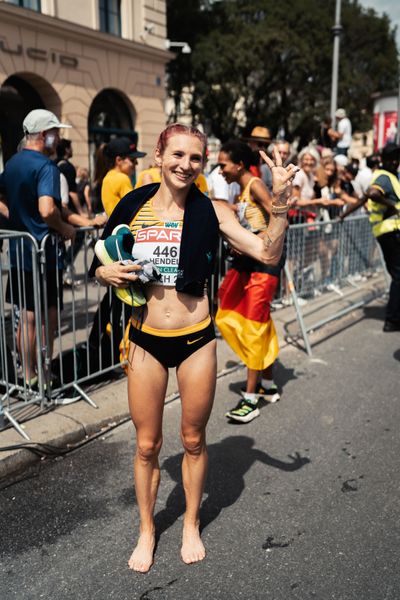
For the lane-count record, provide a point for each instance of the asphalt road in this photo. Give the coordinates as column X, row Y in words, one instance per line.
column 302, row 503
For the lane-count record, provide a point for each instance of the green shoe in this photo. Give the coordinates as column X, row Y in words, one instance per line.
column 244, row 412
column 117, row 248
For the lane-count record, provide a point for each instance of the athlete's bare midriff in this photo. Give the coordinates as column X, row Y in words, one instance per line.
column 168, row 309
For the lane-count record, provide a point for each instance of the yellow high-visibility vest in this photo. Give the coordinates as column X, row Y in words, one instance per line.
column 380, row 225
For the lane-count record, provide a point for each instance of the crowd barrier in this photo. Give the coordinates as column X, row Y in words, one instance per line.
column 329, row 257
column 47, row 356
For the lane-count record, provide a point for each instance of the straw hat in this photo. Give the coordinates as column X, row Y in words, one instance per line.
column 260, row 134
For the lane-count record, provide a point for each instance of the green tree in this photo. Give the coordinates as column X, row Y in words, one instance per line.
column 269, row 63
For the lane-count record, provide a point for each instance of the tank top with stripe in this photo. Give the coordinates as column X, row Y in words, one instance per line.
column 158, row 241
column 251, row 215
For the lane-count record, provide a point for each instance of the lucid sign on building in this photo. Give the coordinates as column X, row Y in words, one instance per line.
column 40, row 54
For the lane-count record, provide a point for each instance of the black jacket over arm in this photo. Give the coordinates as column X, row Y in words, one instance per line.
column 199, row 235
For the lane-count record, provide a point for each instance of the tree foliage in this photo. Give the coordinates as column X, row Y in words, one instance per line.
column 263, row 62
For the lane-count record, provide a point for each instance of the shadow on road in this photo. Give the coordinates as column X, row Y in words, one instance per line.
column 229, row 461
column 375, row 312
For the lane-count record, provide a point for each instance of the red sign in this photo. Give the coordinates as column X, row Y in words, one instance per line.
column 389, row 127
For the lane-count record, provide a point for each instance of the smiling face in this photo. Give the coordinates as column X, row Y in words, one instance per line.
column 181, row 161
column 308, row 163
column 228, row 168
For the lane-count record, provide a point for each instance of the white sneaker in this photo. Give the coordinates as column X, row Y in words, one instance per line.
column 331, row 287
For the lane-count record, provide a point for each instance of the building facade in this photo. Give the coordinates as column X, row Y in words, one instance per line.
column 99, row 65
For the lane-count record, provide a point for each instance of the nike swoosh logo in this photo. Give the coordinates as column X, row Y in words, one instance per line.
column 194, row 341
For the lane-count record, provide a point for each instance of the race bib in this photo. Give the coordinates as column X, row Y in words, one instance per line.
column 161, row 245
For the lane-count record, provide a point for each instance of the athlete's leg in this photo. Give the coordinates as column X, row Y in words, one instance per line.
column 196, row 379
column 147, row 384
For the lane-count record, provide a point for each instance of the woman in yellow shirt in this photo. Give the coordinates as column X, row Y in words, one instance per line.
column 121, row 156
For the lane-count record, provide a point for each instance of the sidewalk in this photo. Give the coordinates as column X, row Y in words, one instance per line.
column 73, row 423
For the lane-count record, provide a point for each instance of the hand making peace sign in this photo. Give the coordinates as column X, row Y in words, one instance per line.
column 282, row 177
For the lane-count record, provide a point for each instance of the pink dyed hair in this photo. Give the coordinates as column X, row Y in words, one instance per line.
column 179, row 129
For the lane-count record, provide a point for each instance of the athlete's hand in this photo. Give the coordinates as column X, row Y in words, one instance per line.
column 117, row 274
column 282, row 177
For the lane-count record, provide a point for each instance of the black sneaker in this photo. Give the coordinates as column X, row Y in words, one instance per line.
column 244, row 412
column 391, row 326
column 270, row 395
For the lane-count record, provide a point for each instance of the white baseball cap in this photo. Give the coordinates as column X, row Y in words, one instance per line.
column 341, row 159
column 41, row 120
column 340, row 113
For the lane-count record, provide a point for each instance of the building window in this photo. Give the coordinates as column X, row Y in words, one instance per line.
column 31, row 4
column 110, row 16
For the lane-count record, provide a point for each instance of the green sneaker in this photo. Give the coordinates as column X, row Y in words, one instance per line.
column 244, row 412
column 118, row 248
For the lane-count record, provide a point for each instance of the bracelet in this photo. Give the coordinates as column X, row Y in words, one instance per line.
column 278, row 209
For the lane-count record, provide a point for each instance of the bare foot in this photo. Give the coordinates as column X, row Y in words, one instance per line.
column 142, row 556
column 192, row 547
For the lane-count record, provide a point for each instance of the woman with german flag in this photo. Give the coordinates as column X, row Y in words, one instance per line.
column 243, row 317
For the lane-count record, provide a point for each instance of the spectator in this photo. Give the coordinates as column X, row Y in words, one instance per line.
column 83, row 190
column 31, row 184
column 64, row 153
column 100, row 169
column 303, row 187
column 150, row 175
column 259, row 139
column 283, row 148
column 384, row 208
column 243, row 317
column 364, row 176
column 327, row 139
column 121, row 157
column 220, row 189
column 347, row 192
column 328, row 188
column 343, row 132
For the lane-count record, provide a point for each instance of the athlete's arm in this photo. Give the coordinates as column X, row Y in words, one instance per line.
column 268, row 249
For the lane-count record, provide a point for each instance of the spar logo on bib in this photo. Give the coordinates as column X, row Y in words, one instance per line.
column 161, row 245
column 158, row 234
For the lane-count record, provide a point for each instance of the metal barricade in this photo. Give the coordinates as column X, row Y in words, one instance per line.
column 80, row 333
column 21, row 367
column 90, row 323
column 323, row 259
column 57, row 333
column 328, row 257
